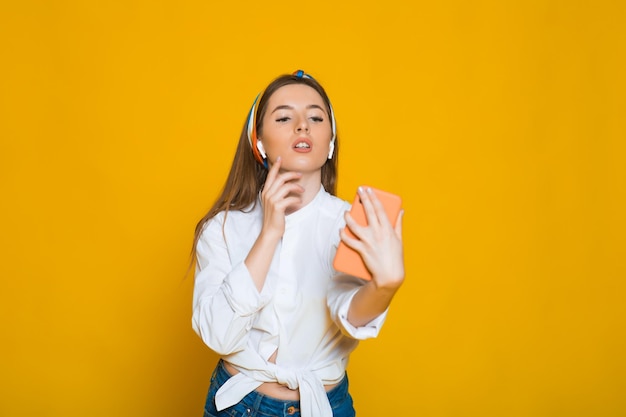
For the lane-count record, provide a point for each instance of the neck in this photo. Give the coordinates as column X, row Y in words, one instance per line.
column 311, row 185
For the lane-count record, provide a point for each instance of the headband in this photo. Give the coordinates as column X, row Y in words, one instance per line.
column 251, row 123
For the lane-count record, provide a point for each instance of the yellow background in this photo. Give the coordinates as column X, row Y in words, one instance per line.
column 502, row 124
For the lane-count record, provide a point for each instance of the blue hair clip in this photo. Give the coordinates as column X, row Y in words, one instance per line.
column 299, row 74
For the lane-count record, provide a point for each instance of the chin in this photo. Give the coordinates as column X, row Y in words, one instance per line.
column 300, row 163
column 308, row 165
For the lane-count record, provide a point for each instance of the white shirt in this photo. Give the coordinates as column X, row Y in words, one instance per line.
column 301, row 312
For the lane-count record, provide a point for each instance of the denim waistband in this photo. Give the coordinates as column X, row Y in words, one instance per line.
column 335, row 395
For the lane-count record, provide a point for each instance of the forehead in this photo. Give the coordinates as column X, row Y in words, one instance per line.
column 294, row 94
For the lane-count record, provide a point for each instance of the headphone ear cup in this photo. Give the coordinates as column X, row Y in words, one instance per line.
column 261, row 149
column 331, row 149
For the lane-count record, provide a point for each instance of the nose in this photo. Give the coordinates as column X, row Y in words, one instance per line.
column 303, row 125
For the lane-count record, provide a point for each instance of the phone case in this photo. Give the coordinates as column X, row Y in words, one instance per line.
column 349, row 261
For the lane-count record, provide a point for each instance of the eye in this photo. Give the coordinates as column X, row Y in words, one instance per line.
column 283, row 119
column 317, row 119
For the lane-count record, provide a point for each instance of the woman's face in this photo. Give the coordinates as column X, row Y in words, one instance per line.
column 296, row 127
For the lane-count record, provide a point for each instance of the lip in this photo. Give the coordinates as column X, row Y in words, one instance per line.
column 302, row 150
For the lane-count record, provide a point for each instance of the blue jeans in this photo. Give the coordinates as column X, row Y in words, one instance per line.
column 259, row 405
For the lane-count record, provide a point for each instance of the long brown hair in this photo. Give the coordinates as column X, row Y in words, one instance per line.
column 247, row 176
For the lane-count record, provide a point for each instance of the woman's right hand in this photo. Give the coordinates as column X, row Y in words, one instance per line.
column 280, row 194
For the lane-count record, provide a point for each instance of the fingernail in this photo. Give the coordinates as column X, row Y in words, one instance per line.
column 278, row 159
column 360, row 190
column 369, row 190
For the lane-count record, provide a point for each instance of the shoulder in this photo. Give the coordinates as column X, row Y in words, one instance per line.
column 231, row 219
column 332, row 210
column 333, row 205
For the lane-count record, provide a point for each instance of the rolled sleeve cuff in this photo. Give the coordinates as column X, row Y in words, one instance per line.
column 241, row 293
column 367, row 331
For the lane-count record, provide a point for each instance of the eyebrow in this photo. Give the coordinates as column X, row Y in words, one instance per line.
column 287, row 107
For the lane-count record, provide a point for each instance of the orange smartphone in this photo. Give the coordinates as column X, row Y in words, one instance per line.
column 349, row 261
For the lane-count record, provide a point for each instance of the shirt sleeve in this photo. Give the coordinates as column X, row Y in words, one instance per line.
column 225, row 299
column 340, row 294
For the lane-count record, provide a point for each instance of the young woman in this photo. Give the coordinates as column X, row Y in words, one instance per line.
column 266, row 297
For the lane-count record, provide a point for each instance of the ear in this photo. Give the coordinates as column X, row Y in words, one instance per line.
column 261, row 149
column 331, row 149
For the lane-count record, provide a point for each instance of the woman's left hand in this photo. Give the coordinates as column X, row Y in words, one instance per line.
column 379, row 243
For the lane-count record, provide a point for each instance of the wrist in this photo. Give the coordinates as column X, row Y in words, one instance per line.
column 387, row 285
column 269, row 236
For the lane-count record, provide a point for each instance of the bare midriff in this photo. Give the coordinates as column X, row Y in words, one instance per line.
column 274, row 389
